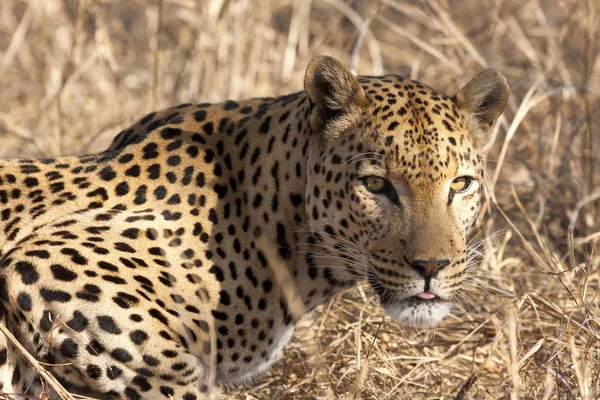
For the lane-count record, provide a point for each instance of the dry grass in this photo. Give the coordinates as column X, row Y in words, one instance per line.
column 73, row 73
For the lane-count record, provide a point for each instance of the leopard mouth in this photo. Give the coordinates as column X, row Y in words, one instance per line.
column 424, row 309
column 418, row 313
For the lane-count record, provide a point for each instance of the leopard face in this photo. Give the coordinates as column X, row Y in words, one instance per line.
column 398, row 184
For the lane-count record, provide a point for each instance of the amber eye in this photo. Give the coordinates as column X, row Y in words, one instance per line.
column 461, row 185
column 375, row 184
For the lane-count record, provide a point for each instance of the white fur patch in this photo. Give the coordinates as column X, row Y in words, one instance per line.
column 418, row 313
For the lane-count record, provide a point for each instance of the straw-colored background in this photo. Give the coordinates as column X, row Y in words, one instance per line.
column 73, row 73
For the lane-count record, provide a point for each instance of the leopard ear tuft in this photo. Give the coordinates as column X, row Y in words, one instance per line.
column 484, row 98
column 333, row 91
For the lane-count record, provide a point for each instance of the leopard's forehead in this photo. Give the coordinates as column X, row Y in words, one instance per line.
column 421, row 132
column 394, row 99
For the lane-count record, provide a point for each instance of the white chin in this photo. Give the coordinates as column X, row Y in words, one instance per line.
column 418, row 313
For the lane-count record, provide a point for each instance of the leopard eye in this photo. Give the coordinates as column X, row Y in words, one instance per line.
column 376, row 184
column 461, row 185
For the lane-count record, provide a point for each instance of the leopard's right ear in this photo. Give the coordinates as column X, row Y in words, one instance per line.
column 484, row 99
column 336, row 95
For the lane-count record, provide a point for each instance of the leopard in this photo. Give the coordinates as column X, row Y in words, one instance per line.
column 184, row 255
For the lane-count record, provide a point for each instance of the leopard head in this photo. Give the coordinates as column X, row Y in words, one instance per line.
column 395, row 182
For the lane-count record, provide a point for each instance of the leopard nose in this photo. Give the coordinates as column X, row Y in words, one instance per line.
column 428, row 268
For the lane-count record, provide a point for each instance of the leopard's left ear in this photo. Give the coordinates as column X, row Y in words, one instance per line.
column 484, row 97
column 335, row 93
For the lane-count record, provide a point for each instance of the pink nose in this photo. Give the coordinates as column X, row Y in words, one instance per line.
column 428, row 268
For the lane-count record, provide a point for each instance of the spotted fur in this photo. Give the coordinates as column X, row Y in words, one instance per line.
column 131, row 272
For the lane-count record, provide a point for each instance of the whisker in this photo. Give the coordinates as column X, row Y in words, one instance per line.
column 368, row 153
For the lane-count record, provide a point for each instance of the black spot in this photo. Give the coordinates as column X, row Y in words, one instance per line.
column 114, row 372
column 151, row 361
column 174, row 161
column 296, row 199
column 179, row 366
column 43, row 254
column 267, row 286
column 217, row 272
column 140, row 195
column 219, row 315
column 121, row 355
column 3, row 289
column 131, row 233
column 132, row 394
column 170, row 133
column 200, row 179
column 224, row 298
column 55, row 295
column 24, row 301
column 95, row 348
column 147, row 118
column 153, row 171
column 158, row 315
column 107, row 174
column 262, row 304
column 122, row 189
column 192, row 151
column 255, row 156
column 78, row 323
column 200, row 115
column 62, row 274
column 124, row 247
column 93, row 371
column 169, row 353
column 27, row 271
column 251, row 277
column 76, row 257
column 134, row 171
column 221, row 190
column 142, row 383
column 264, row 128
column 46, row 321
column 230, row 105
column 160, row 193
column 69, row 349
column 138, row 337
column 150, row 151
column 108, row 266
column 31, row 182
column 107, row 324
column 447, row 125
column 208, row 128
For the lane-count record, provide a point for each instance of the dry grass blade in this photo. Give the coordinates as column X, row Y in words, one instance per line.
column 46, row 377
column 464, row 390
column 362, row 24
